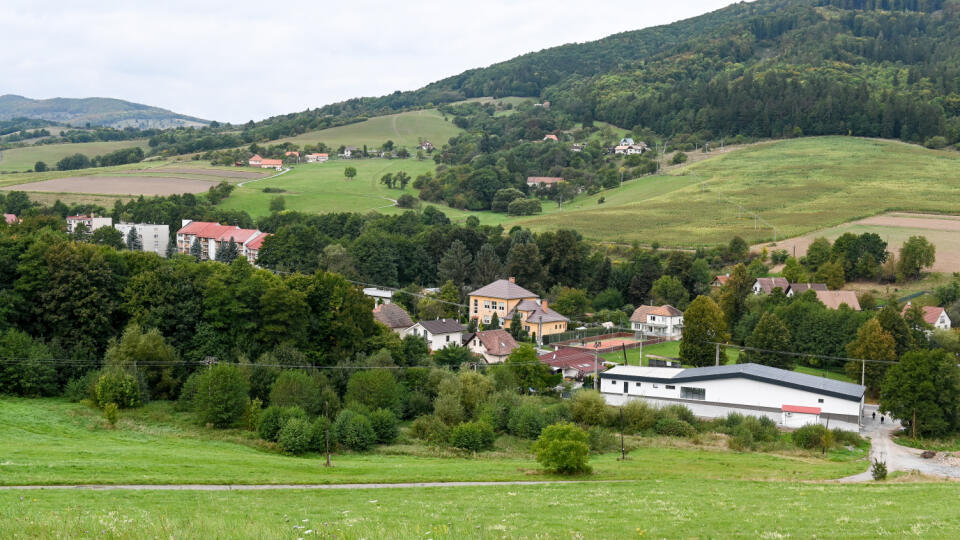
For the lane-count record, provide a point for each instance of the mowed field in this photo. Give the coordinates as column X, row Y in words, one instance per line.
column 797, row 186
column 23, row 159
column 895, row 228
column 404, row 129
column 672, row 489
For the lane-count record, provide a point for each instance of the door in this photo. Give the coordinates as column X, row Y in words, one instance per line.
column 626, row 386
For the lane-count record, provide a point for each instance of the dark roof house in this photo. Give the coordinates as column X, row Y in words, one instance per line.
column 392, row 316
column 503, row 289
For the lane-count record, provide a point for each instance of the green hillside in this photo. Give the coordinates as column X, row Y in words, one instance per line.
column 24, row 158
column 797, row 186
column 404, row 129
column 94, row 111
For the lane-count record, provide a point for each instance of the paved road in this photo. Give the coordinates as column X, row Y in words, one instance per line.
column 898, row 458
column 263, row 487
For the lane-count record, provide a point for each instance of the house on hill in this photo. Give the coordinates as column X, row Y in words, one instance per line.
column 317, row 158
column 719, row 281
column 800, row 288
column 504, row 297
column 293, row 155
column 932, row 315
column 658, row 321
column 349, row 151
column 833, row 299
column 551, row 137
column 393, row 317
column 576, row 147
column 541, row 181
column 251, row 250
column 493, row 345
column 264, row 163
column 426, row 146
column 789, row 398
column 630, row 149
column 572, row 362
column 766, row 285
column 439, row 333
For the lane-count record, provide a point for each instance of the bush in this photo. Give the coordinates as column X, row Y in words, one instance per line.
column 187, row 392
column 251, row 417
column 496, row 410
column 274, row 418
column 588, row 407
column 680, row 412
column 375, row 388
column 112, row 413
column 742, row 439
column 563, row 448
column 417, row 404
column 673, row 427
column 761, row 429
column 846, row 438
column 407, row 201
column 879, row 470
column 294, row 436
column 602, row 439
column 638, row 416
column 524, row 207
column 222, row 395
column 448, row 409
column 354, row 431
column 385, row 425
column 430, row 429
column 679, row 158
column 473, row 436
column 318, row 435
column 118, row 387
column 526, row 421
column 83, row 387
column 809, row 436
column 295, row 388
column 556, row 413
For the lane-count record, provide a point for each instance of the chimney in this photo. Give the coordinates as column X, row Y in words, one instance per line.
column 543, row 304
column 512, row 279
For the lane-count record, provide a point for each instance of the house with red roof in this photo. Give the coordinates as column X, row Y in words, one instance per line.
column 572, row 362
column 541, row 181
column 213, row 237
column 251, row 249
column 493, row 345
column 932, row 315
column 11, row 219
column 317, row 158
column 264, row 163
column 550, row 137
column 660, row 321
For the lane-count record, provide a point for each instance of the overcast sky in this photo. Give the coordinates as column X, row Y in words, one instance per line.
column 239, row 60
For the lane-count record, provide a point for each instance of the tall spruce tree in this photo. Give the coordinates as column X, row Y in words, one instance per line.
column 195, row 249
column 229, row 252
column 134, row 242
column 770, row 334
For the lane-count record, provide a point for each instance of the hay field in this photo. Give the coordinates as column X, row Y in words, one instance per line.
column 404, row 129
column 23, row 159
column 117, row 185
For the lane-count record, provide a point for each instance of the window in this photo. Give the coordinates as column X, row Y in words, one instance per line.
column 613, row 382
column 820, row 400
column 636, row 384
column 502, row 306
column 671, row 387
column 448, row 339
column 486, row 304
column 656, row 386
column 687, row 392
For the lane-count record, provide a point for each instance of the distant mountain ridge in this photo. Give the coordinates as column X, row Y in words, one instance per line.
column 96, row 111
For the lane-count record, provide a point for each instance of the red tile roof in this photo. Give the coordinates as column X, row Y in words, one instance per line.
column 273, row 162
column 11, row 219
column 496, row 342
column 256, row 157
column 544, row 179
column 205, row 229
column 551, row 137
column 257, row 242
column 640, row 314
column 237, row 234
column 799, row 409
column 931, row 314
column 569, row 357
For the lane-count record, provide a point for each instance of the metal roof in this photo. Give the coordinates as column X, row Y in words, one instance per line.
column 503, row 289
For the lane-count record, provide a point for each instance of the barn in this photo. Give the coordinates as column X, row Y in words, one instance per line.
column 789, row 398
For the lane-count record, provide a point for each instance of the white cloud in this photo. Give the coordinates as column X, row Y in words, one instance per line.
column 243, row 60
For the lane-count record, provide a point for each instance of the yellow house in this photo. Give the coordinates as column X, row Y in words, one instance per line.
column 504, row 296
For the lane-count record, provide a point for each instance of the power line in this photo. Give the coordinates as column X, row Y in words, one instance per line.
column 802, row 355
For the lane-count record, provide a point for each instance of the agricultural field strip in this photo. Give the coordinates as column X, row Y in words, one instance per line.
column 260, row 487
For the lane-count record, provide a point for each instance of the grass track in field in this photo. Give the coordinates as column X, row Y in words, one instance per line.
column 23, row 159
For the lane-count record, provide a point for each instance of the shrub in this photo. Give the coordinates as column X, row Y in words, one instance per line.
column 846, row 438
column 879, row 470
column 742, row 439
column 294, row 436
column 375, row 388
column 111, row 413
column 524, row 207
column 602, row 439
column 318, row 435
column 761, row 429
column 222, row 395
column 274, row 418
column 417, row 404
column 187, row 392
column 354, row 431
column 588, row 407
column 638, row 416
column 83, row 387
column 448, row 409
column 556, row 413
column 295, row 388
column 673, row 427
column 407, row 201
column 563, row 448
column 251, row 417
column 385, row 425
column 496, row 410
column 473, row 436
column 680, row 412
column 526, row 421
column 430, row 429
column 809, row 436
column 118, row 387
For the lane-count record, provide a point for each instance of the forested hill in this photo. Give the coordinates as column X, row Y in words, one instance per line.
column 887, row 68
column 105, row 112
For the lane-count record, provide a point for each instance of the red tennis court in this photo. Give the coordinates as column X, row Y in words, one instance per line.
column 607, row 345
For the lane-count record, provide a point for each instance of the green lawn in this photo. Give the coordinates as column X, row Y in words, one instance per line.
column 670, row 349
column 651, row 508
column 47, row 441
column 23, row 159
column 797, row 185
column 404, row 129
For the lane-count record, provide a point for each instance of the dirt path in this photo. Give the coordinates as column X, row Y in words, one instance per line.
column 284, row 171
column 898, row 458
column 265, row 487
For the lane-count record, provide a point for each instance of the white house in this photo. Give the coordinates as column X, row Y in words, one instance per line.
column 440, row 333
column 91, row 222
column 766, row 285
column 789, row 398
column 493, row 345
column 658, row 321
column 154, row 238
column 933, row 315
column 629, row 149
column 380, row 296
column 317, row 158
column 348, row 151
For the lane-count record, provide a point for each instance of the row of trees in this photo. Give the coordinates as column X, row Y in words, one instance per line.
column 81, row 161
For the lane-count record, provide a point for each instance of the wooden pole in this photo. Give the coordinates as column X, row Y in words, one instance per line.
column 623, row 346
column 863, row 372
column 623, row 448
column 718, row 354
column 596, row 370
column 914, row 423
column 326, row 410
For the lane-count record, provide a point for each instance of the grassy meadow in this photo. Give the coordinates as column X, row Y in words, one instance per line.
column 797, row 185
column 404, row 129
column 23, row 159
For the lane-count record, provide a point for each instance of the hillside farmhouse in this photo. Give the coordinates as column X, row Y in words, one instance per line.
column 658, row 321
column 426, row 146
column 800, row 288
column 504, row 297
column 932, row 315
column 493, row 345
column 550, row 137
column 439, row 333
column 264, row 163
column 766, row 285
column 789, row 398
column 541, row 181
column 719, row 281
column 317, row 158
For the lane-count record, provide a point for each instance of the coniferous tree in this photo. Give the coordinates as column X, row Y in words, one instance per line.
column 229, row 252
column 770, row 334
column 455, row 264
column 486, row 265
column 703, row 325
column 134, row 242
column 195, row 249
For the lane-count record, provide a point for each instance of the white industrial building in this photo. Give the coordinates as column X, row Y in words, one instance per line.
column 153, row 237
column 791, row 399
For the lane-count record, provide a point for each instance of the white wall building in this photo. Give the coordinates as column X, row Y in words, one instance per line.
column 658, row 321
column 440, row 333
column 381, row 296
column 154, row 238
column 789, row 398
column 91, row 222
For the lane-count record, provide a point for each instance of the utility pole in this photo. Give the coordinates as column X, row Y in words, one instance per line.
column 596, row 370
column 863, row 372
column 623, row 448
column 913, row 424
column 326, row 413
column 718, row 354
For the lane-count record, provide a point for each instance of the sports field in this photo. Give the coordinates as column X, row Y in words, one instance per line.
column 23, row 159
column 797, row 186
column 404, row 129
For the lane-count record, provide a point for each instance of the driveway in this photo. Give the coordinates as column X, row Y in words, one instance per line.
column 898, row 458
